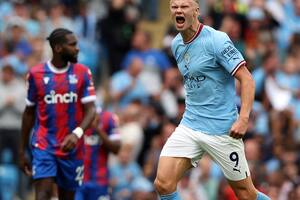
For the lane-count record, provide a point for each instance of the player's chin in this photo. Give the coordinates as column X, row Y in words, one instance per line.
column 74, row 59
column 180, row 26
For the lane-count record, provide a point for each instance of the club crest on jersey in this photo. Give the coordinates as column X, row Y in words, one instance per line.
column 73, row 79
column 46, row 80
column 187, row 58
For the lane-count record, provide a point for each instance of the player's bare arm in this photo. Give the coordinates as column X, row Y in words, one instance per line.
column 89, row 114
column 239, row 128
column 111, row 145
column 28, row 119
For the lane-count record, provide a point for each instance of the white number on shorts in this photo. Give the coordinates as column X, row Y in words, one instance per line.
column 79, row 174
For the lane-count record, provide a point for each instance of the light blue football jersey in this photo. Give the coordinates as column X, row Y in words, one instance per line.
column 207, row 64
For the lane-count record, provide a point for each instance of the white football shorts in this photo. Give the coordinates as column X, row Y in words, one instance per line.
column 226, row 151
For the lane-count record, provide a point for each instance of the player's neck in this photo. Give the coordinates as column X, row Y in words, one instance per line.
column 189, row 33
column 58, row 63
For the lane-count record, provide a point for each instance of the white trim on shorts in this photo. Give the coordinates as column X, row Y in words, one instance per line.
column 226, row 151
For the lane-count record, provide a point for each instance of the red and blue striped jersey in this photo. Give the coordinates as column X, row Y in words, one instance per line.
column 96, row 156
column 59, row 96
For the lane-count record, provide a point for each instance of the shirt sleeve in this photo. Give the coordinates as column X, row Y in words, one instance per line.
column 226, row 53
column 31, row 90
column 88, row 88
column 114, row 134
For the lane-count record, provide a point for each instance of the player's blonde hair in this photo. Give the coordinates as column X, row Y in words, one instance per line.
column 197, row 2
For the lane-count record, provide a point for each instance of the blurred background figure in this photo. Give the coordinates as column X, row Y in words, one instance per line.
column 123, row 173
column 8, row 176
column 12, row 92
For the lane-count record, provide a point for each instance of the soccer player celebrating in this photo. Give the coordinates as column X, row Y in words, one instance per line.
column 98, row 142
column 59, row 107
column 209, row 63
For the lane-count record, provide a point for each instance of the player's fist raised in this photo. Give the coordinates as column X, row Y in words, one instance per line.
column 24, row 164
column 69, row 142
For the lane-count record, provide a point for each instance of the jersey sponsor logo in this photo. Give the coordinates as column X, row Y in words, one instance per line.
column 230, row 52
column 193, row 82
column 54, row 98
column 92, row 140
column 73, row 79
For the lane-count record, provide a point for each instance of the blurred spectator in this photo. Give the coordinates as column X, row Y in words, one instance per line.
column 256, row 17
column 290, row 24
column 270, row 64
column 85, row 24
column 22, row 14
column 131, row 129
column 155, row 61
column 126, row 85
column 172, row 89
column 152, row 122
column 123, row 173
column 12, row 92
column 142, row 189
column 220, row 8
column 116, row 31
column 167, row 42
column 20, row 45
column 150, row 8
column 153, row 147
column 57, row 18
column 203, row 182
column 232, row 25
column 8, row 176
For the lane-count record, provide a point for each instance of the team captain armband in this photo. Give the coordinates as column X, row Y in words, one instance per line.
column 78, row 132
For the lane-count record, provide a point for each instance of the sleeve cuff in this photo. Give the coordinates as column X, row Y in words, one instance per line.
column 237, row 67
column 29, row 103
column 88, row 99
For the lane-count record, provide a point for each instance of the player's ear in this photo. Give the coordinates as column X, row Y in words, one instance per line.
column 57, row 48
column 198, row 11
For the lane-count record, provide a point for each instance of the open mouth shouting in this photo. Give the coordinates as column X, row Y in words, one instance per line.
column 180, row 21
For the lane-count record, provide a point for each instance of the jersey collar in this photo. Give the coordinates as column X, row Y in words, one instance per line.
column 196, row 34
column 57, row 70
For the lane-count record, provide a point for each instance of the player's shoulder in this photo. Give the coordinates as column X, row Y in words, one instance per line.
column 219, row 35
column 177, row 40
column 106, row 115
column 81, row 68
column 37, row 68
column 208, row 30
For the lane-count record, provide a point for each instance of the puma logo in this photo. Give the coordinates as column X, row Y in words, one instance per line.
column 235, row 169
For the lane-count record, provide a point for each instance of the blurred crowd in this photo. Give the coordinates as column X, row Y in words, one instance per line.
column 143, row 86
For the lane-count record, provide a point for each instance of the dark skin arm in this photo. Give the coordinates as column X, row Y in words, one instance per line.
column 28, row 119
column 71, row 140
column 111, row 146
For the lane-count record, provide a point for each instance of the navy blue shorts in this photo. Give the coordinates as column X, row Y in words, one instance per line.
column 92, row 191
column 68, row 173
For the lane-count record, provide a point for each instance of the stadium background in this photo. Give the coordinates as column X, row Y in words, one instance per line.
column 126, row 43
